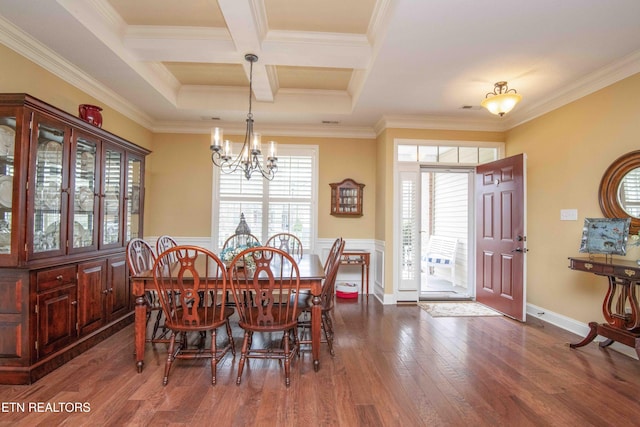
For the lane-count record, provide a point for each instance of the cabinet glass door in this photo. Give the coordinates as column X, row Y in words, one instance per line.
column 134, row 199
column 112, row 197
column 7, row 169
column 82, row 226
column 48, row 231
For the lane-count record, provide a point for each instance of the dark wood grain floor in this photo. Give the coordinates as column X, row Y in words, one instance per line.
column 394, row 366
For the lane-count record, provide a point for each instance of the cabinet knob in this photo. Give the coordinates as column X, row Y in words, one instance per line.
column 110, row 290
column 106, row 291
column 59, row 278
column 74, row 302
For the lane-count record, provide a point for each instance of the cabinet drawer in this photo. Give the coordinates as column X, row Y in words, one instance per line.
column 627, row 273
column 592, row 267
column 50, row 279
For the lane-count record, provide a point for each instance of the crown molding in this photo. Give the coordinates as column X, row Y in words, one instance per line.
column 437, row 123
column 190, row 127
column 599, row 79
column 26, row 46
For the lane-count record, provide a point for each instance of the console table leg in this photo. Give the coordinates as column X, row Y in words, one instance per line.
column 593, row 333
column 606, row 343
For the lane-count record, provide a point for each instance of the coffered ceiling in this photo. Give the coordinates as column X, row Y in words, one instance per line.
column 344, row 67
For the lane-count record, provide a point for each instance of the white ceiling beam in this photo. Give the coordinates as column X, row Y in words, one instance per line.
column 177, row 44
column 235, row 99
column 309, row 49
column 241, row 17
column 215, row 45
column 102, row 21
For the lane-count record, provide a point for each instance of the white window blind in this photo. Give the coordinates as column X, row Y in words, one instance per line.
column 409, row 232
column 285, row 204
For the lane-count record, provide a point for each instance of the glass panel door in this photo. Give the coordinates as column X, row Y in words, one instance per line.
column 49, row 182
column 134, row 199
column 7, row 169
column 112, row 197
column 82, row 226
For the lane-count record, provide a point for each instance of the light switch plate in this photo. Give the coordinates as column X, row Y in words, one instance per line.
column 568, row 214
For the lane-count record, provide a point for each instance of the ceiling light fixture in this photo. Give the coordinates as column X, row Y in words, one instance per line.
column 249, row 159
column 501, row 100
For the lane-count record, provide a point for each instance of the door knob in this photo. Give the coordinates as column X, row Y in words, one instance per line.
column 522, row 250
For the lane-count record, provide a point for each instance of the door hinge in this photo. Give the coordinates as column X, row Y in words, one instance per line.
column 36, row 309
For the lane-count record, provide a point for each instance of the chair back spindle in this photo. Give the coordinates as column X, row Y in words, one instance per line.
column 288, row 242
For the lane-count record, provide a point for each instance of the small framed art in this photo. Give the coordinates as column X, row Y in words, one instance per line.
column 605, row 236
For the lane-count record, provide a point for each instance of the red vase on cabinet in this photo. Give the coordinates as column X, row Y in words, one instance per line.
column 90, row 114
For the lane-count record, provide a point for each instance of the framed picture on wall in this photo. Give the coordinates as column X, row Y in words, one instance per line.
column 605, row 236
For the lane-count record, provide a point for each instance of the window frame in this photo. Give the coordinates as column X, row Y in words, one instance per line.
column 284, row 150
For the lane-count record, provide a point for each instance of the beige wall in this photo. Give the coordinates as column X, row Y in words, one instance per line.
column 182, row 169
column 568, row 150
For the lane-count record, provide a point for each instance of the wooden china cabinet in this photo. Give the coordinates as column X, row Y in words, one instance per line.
column 71, row 196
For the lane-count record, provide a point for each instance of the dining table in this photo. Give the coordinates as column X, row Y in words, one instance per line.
column 311, row 278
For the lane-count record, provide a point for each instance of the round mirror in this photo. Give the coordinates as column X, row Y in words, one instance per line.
column 619, row 193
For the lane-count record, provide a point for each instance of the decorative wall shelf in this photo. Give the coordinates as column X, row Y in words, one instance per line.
column 346, row 198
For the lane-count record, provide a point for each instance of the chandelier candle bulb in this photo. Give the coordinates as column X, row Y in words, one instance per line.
column 255, row 143
column 226, row 154
column 216, row 139
column 272, row 149
column 245, row 156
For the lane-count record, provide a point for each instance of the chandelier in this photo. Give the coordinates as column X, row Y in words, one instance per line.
column 501, row 100
column 248, row 160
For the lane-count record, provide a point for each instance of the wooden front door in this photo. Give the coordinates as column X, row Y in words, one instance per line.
column 501, row 236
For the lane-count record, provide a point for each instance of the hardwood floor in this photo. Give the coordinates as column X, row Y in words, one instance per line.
column 394, row 366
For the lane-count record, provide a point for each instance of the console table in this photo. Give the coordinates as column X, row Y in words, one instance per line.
column 620, row 307
column 361, row 258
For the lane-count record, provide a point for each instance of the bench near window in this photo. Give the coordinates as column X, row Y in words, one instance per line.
column 441, row 252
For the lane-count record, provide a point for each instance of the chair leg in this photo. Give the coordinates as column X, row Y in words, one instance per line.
column 287, row 359
column 243, row 354
column 170, row 357
column 327, row 325
column 156, row 325
column 230, row 335
column 214, row 360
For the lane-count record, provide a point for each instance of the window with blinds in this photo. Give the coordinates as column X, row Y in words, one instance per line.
column 285, row 204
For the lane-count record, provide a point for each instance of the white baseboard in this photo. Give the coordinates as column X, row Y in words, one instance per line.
column 574, row 326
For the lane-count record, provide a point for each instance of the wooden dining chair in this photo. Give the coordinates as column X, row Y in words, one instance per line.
column 290, row 243
column 327, row 298
column 192, row 295
column 236, row 240
column 269, row 276
column 140, row 257
column 165, row 242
